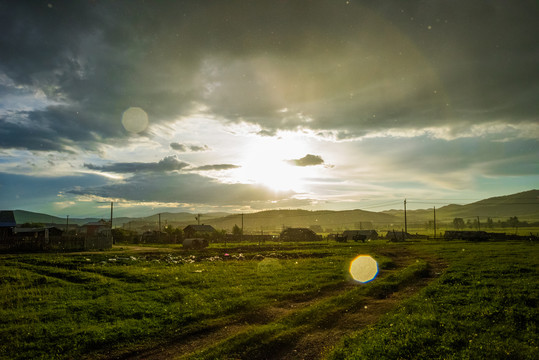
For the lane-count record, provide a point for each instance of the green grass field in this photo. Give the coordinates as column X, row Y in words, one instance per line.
column 430, row 300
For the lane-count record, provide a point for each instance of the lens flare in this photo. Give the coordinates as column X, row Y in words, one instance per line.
column 135, row 119
column 363, row 268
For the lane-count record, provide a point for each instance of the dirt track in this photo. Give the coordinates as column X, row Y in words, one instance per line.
column 313, row 345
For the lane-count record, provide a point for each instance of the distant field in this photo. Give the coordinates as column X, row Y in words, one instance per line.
column 430, row 300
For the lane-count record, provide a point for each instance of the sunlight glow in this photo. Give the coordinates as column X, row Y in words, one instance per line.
column 363, row 268
column 266, row 161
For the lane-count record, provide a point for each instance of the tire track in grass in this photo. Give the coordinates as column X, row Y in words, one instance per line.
column 306, row 343
column 316, row 344
column 303, row 336
column 223, row 328
column 70, row 276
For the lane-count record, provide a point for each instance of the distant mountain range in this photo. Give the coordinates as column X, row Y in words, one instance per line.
column 524, row 205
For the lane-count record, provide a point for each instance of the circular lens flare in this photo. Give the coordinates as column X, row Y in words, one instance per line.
column 363, row 268
column 135, row 120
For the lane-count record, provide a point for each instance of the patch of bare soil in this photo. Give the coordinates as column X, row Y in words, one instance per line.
column 313, row 345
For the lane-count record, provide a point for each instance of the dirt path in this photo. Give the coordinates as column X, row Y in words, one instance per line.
column 316, row 344
column 313, row 345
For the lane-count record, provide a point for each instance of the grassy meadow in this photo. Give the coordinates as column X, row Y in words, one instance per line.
column 431, row 299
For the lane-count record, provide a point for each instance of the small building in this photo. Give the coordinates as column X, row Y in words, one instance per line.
column 41, row 233
column 299, row 234
column 154, row 236
column 7, row 223
column 35, row 239
column 397, row 236
column 193, row 231
column 467, row 235
column 96, row 228
column 360, row 235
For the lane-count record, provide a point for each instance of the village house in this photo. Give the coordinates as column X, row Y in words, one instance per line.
column 96, row 228
column 191, row 231
column 360, row 235
column 299, row 234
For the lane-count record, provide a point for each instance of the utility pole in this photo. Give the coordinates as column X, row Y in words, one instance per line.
column 435, row 222
column 478, row 224
column 67, row 224
column 405, row 221
column 159, row 233
column 111, row 209
column 242, row 227
column 198, row 218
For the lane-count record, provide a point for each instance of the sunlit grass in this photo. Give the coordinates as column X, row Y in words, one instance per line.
column 483, row 307
column 68, row 305
column 83, row 303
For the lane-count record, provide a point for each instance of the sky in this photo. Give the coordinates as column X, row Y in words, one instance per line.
column 243, row 106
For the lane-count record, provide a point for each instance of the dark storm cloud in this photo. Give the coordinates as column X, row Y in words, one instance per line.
column 183, row 188
column 15, row 135
column 408, row 157
column 22, row 191
column 169, row 163
column 216, row 167
column 183, row 148
column 307, row 160
column 350, row 69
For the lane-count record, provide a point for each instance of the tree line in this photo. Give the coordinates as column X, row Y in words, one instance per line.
column 513, row 223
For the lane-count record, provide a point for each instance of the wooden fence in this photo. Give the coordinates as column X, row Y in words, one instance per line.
column 55, row 243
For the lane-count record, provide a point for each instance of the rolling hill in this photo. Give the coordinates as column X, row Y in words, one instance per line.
column 275, row 220
column 524, row 205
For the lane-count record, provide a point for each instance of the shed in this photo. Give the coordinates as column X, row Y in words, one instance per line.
column 191, row 231
column 397, row 236
column 359, row 234
column 299, row 234
column 94, row 228
column 467, row 235
column 38, row 233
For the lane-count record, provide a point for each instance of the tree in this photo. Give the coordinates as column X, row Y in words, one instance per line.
column 218, row 235
column 123, row 235
column 236, row 230
column 513, row 222
column 458, row 223
column 490, row 223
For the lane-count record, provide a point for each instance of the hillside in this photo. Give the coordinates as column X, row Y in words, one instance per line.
column 524, row 205
column 23, row 216
column 182, row 217
column 275, row 220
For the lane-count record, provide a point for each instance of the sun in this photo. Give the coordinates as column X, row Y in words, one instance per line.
column 266, row 161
